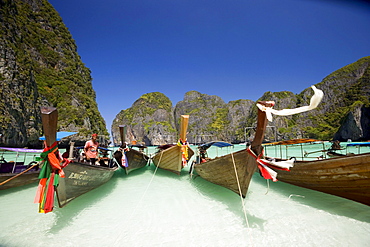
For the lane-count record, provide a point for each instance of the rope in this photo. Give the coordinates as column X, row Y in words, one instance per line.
column 142, row 197
column 242, row 200
column 4, row 182
column 268, row 186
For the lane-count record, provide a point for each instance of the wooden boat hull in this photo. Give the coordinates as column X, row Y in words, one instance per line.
column 136, row 160
column 221, row 171
column 347, row 177
column 31, row 176
column 81, row 178
column 26, row 178
column 171, row 159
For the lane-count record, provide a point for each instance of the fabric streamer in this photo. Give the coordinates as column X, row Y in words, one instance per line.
column 124, row 159
column 49, row 177
column 314, row 102
column 264, row 165
column 184, row 150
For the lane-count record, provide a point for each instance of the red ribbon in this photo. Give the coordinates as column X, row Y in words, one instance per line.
column 261, row 162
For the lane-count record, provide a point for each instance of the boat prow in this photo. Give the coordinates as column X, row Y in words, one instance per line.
column 174, row 157
column 81, row 178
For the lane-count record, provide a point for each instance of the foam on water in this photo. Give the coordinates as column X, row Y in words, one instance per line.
column 152, row 207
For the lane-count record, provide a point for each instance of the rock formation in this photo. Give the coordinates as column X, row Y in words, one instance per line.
column 39, row 65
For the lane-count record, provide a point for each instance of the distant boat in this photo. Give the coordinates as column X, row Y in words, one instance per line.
column 234, row 171
column 173, row 157
column 127, row 156
column 15, row 173
column 347, row 176
column 70, row 179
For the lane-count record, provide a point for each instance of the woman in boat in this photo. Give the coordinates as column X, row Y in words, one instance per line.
column 91, row 149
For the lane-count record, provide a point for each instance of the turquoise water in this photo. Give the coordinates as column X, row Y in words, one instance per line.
column 152, row 207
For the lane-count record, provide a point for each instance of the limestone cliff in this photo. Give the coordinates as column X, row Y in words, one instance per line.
column 343, row 113
column 149, row 120
column 39, row 65
column 210, row 119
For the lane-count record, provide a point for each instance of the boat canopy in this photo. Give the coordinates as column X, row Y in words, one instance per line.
column 219, row 144
column 60, row 135
column 139, row 146
column 358, row 144
column 22, row 150
column 292, row 141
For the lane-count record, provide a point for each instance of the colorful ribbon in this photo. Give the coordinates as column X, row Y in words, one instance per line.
column 264, row 166
column 184, row 151
column 49, row 177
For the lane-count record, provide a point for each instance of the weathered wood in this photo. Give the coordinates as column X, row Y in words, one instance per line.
column 8, row 181
column 122, row 132
column 171, row 158
column 81, row 178
column 135, row 158
column 49, row 117
column 235, row 170
column 184, row 127
column 345, row 176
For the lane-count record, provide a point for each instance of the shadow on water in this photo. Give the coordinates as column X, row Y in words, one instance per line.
column 168, row 174
column 137, row 172
column 228, row 198
column 66, row 215
column 332, row 204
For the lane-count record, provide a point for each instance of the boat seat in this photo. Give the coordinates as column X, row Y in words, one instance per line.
column 20, row 168
column 6, row 167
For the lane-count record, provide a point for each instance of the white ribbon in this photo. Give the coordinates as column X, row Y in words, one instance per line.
column 314, row 102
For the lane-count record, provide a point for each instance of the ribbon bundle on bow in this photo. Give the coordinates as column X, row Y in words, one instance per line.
column 49, row 177
column 184, row 151
column 124, row 159
column 264, row 165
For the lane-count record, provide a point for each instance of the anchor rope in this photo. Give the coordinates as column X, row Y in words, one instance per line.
column 9, row 179
column 242, row 200
column 268, row 186
column 142, row 197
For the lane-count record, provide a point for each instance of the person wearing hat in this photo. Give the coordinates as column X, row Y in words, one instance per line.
column 91, row 149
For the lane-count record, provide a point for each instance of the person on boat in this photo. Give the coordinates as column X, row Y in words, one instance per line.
column 335, row 145
column 203, row 156
column 91, row 149
column 66, row 153
column 104, row 160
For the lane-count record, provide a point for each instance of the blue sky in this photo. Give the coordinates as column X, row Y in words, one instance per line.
column 235, row 49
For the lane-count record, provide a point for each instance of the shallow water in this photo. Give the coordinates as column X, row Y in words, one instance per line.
column 152, row 207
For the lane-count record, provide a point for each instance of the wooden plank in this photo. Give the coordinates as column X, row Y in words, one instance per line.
column 184, row 127
column 122, row 132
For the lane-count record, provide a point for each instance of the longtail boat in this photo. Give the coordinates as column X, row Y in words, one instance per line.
column 234, row 171
column 17, row 173
column 173, row 157
column 127, row 156
column 70, row 179
column 347, row 175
